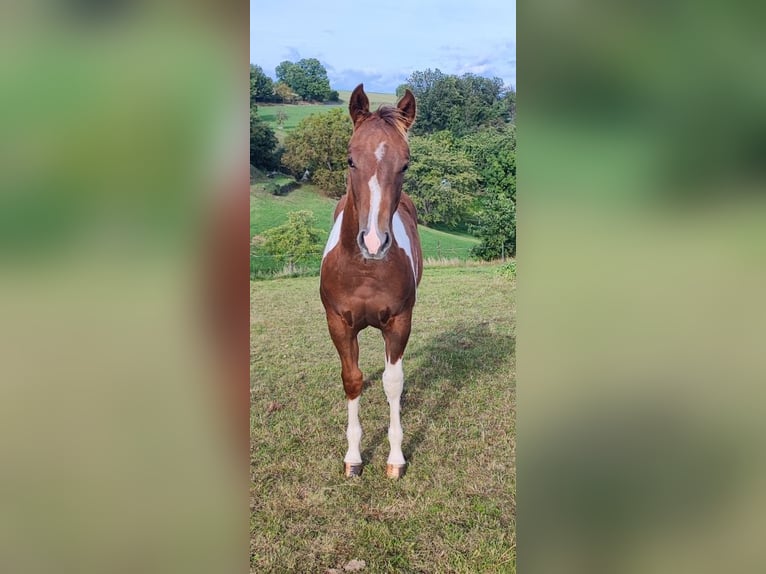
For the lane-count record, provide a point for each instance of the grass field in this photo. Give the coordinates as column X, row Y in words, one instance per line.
column 267, row 211
column 376, row 98
column 294, row 113
column 454, row 511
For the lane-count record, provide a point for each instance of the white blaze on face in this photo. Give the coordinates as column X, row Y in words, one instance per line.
column 380, row 151
column 371, row 240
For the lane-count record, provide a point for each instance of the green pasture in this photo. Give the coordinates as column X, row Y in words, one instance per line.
column 454, row 510
column 376, row 99
column 294, row 113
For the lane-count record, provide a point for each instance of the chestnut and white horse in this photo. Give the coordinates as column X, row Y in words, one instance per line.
column 373, row 262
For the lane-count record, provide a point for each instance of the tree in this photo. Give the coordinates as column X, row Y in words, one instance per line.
column 493, row 152
column 285, row 93
column 496, row 226
column 261, row 86
column 306, row 77
column 441, row 180
column 296, row 241
column 319, row 144
column 509, row 103
column 263, row 142
column 460, row 104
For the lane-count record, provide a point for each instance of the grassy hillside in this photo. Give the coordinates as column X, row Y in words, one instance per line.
column 376, row 98
column 296, row 112
column 267, row 211
column 454, row 510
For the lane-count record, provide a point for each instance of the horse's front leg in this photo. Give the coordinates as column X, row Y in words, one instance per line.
column 344, row 338
column 395, row 334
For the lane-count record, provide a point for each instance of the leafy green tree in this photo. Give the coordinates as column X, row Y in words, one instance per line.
column 493, row 152
column 261, row 86
column 441, row 180
column 497, row 226
column 307, row 78
column 284, row 93
column 460, row 104
column 319, row 144
column 296, row 241
column 509, row 103
column 263, row 142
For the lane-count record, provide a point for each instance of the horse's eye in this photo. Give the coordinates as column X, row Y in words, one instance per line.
column 406, row 165
column 351, row 162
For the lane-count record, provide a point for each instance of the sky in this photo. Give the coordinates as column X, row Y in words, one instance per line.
column 380, row 44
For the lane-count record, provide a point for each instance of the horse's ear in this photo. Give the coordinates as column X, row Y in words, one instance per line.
column 358, row 105
column 408, row 108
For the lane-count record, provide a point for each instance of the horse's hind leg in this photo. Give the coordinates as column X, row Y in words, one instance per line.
column 344, row 338
column 396, row 334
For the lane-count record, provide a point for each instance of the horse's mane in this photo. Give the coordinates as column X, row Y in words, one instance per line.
column 394, row 117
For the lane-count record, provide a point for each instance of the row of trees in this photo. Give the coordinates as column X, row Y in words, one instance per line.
column 460, row 104
column 302, row 80
column 463, row 147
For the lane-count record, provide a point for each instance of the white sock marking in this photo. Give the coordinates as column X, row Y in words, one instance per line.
column 400, row 234
column 393, row 383
column 334, row 238
column 353, row 433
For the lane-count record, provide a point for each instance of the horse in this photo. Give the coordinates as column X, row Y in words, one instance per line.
column 372, row 263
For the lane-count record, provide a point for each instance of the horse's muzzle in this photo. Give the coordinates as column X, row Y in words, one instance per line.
column 374, row 245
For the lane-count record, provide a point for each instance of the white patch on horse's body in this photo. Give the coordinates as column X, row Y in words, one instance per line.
column 380, row 151
column 403, row 239
column 371, row 240
column 393, row 383
column 334, row 238
column 353, row 433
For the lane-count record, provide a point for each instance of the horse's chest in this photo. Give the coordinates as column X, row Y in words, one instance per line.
column 367, row 298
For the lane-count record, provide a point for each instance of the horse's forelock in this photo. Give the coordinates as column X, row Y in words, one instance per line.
column 394, row 117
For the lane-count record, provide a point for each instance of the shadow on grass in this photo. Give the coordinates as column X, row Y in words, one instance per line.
column 440, row 369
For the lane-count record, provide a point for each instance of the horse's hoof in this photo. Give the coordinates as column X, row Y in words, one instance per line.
column 352, row 469
column 395, row 470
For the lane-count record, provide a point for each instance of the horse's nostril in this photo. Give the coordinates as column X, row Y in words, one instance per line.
column 386, row 239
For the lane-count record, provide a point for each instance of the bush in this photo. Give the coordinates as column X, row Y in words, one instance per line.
column 508, row 270
column 276, row 188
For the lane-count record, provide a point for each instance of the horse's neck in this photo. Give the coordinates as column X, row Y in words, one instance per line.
column 349, row 228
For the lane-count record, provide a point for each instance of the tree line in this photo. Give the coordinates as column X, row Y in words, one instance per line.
column 304, row 80
column 462, row 172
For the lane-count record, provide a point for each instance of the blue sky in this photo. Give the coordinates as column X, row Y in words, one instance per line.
column 380, row 44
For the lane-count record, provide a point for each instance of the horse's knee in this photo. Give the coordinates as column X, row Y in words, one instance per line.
column 352, row 384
